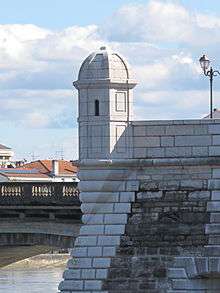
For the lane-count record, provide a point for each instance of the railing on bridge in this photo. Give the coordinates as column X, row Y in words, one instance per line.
column 33, row 193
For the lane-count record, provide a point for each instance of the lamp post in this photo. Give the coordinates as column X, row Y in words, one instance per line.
column 205, row 63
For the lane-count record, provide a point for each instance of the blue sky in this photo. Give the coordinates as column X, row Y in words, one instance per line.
column 42, row 44
column 58, row 14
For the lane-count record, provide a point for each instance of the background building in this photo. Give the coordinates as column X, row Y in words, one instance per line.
column 6, row 155
column 41, row 171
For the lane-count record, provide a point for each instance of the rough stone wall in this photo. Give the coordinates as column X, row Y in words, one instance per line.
column 167, row 222
column 151, row 221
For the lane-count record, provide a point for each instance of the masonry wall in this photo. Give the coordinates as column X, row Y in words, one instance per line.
column 176, row 138
column 152, row 220
column 166, row 224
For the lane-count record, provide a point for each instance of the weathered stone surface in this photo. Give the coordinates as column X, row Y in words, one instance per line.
column 149, row 192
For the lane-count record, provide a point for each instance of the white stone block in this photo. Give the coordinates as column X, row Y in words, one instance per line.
column 147, row 141
column 155, row 130
column 79, row 251
column 200, row 129
column 102, row 197
column 216, row 173
column 214, row 128
column 116, row 219
column 101, row 262
column 212, row 228
column 175, row 152
column 140, row 153
column 92, row 230
column 93, row 219
column 100, row 175
column 70, row 285
column 86, row 241
column 139, row 130
column 95, row 251
column 114, row 229
column 177, row 273
column 93, row 285
column 167, row 141
column 90, row 186
column 122, row 207
column 94, row 208
column 216, row 195
column 213, row 206
column 72, row 274
column 215, row 217
column 132, row 185
column 127, row 196
column 200, row 151
column 101, row 273
column 193, row 140
column 83, row 262
column 109, row 251
column 216, row 139
column 88, row 274
column 108, row 240
column 179, row 130
column 156, row 152
column 213, row 184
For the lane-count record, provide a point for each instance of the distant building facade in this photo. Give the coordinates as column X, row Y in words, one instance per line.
column 6, row 155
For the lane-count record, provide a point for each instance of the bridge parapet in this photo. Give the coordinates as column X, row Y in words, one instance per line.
column 37, row 213
column 38, row 193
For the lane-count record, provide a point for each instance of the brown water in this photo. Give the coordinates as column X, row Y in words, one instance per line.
column 29, row 280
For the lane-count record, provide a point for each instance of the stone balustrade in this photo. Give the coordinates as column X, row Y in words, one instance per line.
column 19, row 193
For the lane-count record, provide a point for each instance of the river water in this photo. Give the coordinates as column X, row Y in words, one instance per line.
column 30, row 280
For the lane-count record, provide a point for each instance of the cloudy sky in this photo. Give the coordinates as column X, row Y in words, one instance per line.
column 42, row 44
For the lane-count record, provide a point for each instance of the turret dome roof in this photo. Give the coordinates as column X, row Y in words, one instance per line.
column 104, row 64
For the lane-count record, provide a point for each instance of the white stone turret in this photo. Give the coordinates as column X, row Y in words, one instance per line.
column 105, row 106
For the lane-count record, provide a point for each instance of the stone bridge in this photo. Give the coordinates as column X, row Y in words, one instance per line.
column 39, row 214
column 150, row 193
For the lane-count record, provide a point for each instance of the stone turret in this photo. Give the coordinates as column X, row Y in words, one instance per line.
column 105, row 105
column 151, row 214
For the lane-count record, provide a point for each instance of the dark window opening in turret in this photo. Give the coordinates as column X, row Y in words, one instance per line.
column 96, row 107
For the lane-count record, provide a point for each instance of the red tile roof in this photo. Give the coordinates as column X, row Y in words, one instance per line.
column 45, row 167
column 21, row 172
column 36, row 175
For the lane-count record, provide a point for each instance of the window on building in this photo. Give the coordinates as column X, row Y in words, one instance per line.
column 96, row 107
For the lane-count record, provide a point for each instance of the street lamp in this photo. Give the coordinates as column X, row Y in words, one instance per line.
column 205, row 63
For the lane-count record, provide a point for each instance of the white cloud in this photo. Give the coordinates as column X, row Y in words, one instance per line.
column 159, row 22
column 173, row 104
column 161, row 39
column 207, row 21
column 155, row 21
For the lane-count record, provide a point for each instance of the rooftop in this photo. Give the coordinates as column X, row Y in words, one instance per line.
column 45, row 167
column 104, row 64
column 3, row 147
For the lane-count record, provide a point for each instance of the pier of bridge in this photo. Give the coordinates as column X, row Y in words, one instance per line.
column 150, row 193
